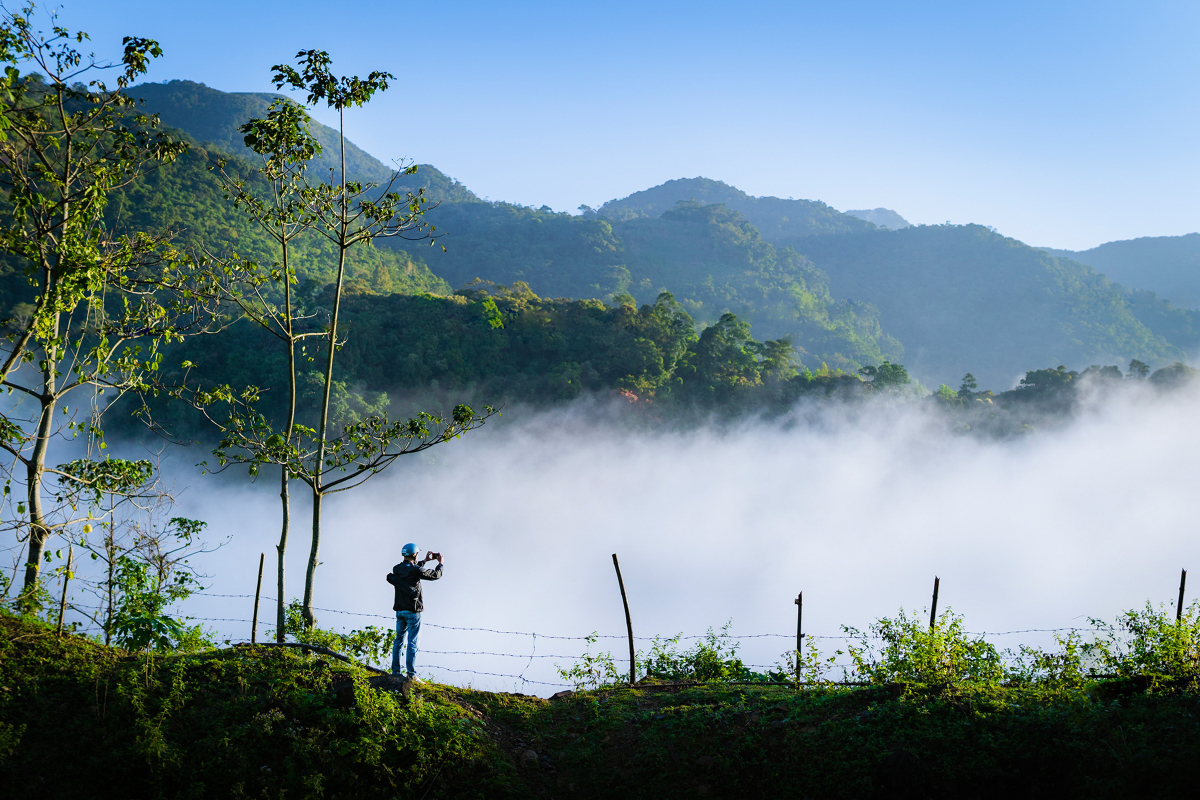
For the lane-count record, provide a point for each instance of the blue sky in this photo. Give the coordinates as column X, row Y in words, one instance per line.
column 1061, row 124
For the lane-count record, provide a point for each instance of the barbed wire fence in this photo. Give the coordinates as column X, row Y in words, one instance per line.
column 533, row 655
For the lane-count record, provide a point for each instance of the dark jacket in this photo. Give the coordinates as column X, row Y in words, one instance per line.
column 407, row 577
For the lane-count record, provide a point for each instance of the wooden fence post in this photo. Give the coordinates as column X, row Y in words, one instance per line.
column 933, row 608
column 628, row 621
column 1179, row 605
column 799, row 632
column 257, row 592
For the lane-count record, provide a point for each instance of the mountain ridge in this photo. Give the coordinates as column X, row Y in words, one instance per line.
column 1168, row 265
column 846, row 290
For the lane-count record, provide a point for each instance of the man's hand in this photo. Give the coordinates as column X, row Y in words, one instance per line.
column 430, row 556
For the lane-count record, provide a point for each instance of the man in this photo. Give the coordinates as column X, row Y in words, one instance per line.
column 406, row 577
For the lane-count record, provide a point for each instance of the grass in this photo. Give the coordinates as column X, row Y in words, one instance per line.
column 78, row 719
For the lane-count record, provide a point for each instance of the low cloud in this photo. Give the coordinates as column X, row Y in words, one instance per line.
column 858, row 511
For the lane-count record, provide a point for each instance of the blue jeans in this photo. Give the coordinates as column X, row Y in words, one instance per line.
column 409, row 621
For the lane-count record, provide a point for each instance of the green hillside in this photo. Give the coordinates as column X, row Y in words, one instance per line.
column 945, row 718
column 709, row 257
column 185, row 199
column 945, row 299
column 776, row 218
column 211, row 116
column 715, row 260
column 1168, row 265
column 962, row 298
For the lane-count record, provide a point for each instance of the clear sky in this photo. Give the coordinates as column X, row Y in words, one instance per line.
column 1061, row 124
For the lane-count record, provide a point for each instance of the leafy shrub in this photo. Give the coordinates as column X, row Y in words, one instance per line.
column 1150, row 642
column 592, row 671
column 140, row 622
column 810, row 667
column 714, row 658
column 1067, row 667
column 371, row 644
column 914, row 654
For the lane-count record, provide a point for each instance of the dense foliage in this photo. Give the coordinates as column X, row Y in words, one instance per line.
column 504, row 344
column 963, row 297
column 186, row 200
column 212, row 117
column 846, row 294
column 1168, row 265
column 266, row 721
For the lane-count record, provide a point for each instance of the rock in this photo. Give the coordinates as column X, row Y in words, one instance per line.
column 343, row 692
column 565, row 693
column 529, row 759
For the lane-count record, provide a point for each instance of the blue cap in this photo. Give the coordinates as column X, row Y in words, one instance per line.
column 409, row 549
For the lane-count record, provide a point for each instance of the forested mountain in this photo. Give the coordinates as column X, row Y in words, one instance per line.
column 719, row 261
column 962, row 298
column 185, row 199
column 1168, row 265
column 709, row 257
column 210, row 116
column 945, row 299
column 776, row 218
column 882, row 217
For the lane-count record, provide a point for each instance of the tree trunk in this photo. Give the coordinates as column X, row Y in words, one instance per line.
column 310, row 619
column 35, row 473
column 285, row 499
column 110, row 586
column 319, row 464
column 281, row 549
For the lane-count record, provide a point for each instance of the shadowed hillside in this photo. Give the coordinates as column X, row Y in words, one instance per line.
column 962, row 298
column 775, row 217
column 213, row 117
column 947, row 299
column 883, row 217
column 1168, row 265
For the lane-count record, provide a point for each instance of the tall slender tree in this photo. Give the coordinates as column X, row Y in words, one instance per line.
column 95, row 323
column 284, row 145
column 337, row 454
column 352, row 214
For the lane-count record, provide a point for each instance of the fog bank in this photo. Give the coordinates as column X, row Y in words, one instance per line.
column 711, row 525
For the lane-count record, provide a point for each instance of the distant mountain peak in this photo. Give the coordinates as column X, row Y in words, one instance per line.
column 211, row 116
column 882, row 217
column 778, row 219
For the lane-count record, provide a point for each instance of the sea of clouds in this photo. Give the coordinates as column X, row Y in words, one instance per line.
column 858, row 507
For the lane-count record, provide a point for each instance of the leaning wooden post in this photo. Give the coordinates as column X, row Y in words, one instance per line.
column 62, row 606
column 1179, row 605
column 933, row 609
column 257, row 592
column 628, row 621
column 799, row 631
